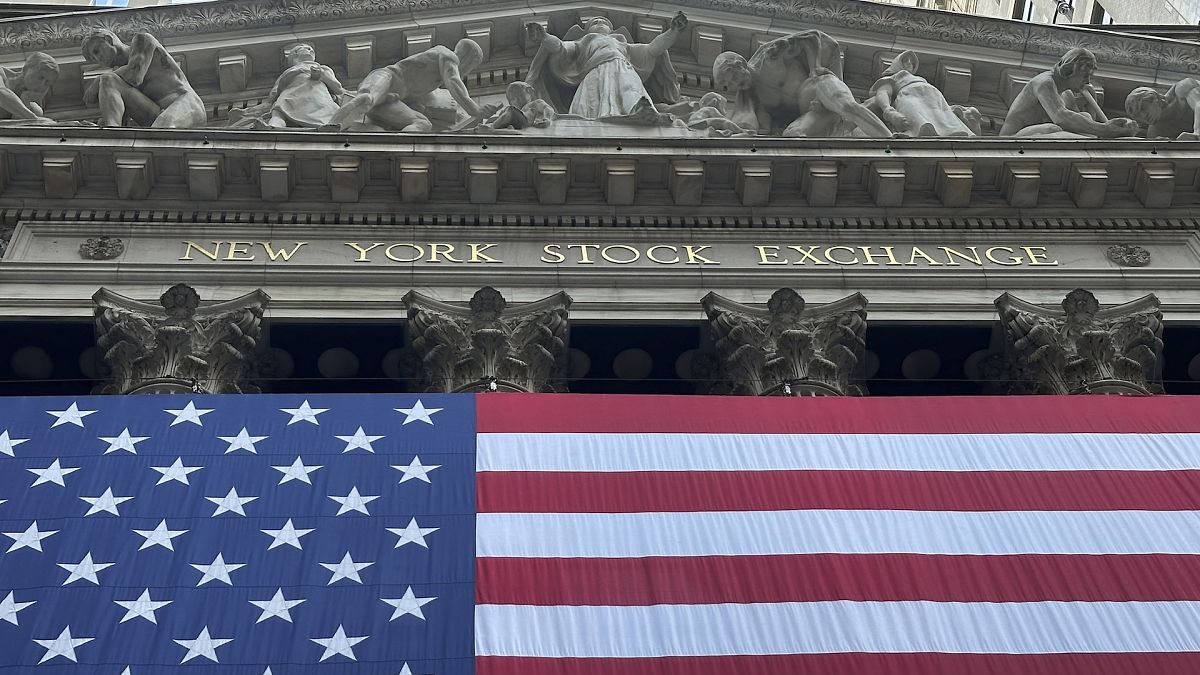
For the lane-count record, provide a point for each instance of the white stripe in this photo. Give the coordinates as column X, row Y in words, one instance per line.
column 829, row 627
column 900, row 452
column 635, row 535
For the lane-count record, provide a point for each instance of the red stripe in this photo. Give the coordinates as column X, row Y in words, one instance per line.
column 825, row 577
column 565, row 413
column 1178, row 663
column 645, row 491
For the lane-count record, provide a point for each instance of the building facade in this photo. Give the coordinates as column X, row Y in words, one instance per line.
column 878, row 203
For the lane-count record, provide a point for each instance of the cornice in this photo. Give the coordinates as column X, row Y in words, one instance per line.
column 888, row 21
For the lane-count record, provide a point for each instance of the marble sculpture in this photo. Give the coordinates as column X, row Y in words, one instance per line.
column 23, row 92
column 306, row 95
column 145, row 85
column 1173, row 115
column 913, row 107
column 1040, row 110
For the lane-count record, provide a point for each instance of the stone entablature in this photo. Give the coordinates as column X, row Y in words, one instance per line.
column 158, row 169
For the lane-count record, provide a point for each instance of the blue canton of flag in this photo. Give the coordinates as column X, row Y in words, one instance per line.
column 238, row 535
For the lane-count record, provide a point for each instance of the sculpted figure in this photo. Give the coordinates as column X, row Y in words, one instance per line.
column 1175, row 115
column 599, row 73
column 305, row 95
column 794, row 83
column 145, row 84
column 709, row 113
column 912, row 106
column 524, row 109
column 403, row 96
column 1040, row 109
column 22, row 93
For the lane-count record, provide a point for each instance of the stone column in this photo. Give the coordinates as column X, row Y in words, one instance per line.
column 488, row 345
column 1078, row 348
column 786, row 349
column 179, row 346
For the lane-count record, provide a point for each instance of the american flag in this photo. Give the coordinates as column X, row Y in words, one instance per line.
column 515, row 534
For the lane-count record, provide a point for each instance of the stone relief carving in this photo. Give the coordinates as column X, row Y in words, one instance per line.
column 794, row 84
column 913, row 107
column 23, row 92
column 306, row 95
column 178, row 346
column 597, row 72
column 101, row 248
column 1175, row 114
column 420, row 93
column 1129, row 255
column 488, row 345
column 524, row 110
column 1079, row 348
column 786, row 349
column 1040, row 109
column 145, row 86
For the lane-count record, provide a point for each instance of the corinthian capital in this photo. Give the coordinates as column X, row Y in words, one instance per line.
column 488, row 345
column 1080, row 348
column 786, row 348
column 178, row 346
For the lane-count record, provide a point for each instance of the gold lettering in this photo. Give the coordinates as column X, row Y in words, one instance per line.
column 420, row 253
column 829, row 255
column 239, row 248
column 806, row 254
column 763, row 255
column 212, row 255
column 437, row 249
column 650, row 254
column 362, row 252
column 281, row 253
column 1014, row 260
column 1038, row 258
column 916, row 251
column 887, row 253
column 951, row 253
column 478, row 255
column 694, row 257
column 632, row 250
column 546, row 250
column 583, row 252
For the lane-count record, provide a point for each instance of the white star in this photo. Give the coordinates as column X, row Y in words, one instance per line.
column 304, row 413
column 9, row 608
column 409, row 604
column 176, row 472
column 277, row 606
column 416, row 470
column 142, row 608
column 243, row 441
column 288, row 534
column 412, row 534
column 30, row 538
column 159, row 536
column 354, row 502
column 84, row 569
column 72, row 415
column 203, row 645
column 218, row 570
column 297, row 471
column 64, row 645
column 105, row 502
column 417, row 413
column 231, row 503
column 123, row 442
column 189, row 413
column 52, row 474
column 359, row 440
column 7, row 444
column 345, row 568
column 339, row 643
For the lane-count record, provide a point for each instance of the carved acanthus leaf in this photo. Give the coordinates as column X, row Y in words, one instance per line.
column 786, row 347
column 178, row 345
column 521, row 348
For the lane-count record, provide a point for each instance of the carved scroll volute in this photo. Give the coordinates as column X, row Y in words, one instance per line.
column 786, row 348
column 179, row 346
column 1080, row 348
column 488, row 345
